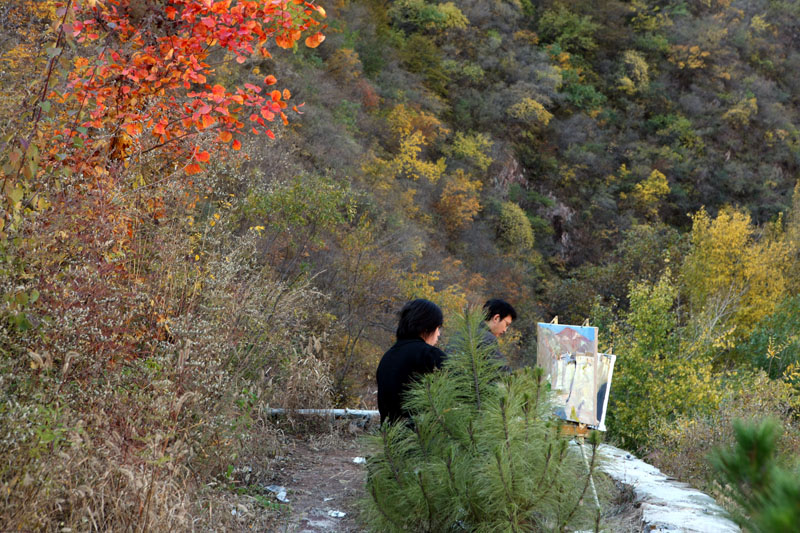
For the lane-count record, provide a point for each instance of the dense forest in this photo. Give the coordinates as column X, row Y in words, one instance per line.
column 183, row 245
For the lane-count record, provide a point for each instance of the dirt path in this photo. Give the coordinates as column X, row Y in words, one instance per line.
column 321, row 482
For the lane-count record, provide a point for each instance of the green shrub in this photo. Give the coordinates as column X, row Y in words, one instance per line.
column 482, row 453
column 657, row 377
column 774, row 344
column 571, row 31
column 513, row 228
column 765, row 496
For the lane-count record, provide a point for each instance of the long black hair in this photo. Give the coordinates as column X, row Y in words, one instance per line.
column 417, row 318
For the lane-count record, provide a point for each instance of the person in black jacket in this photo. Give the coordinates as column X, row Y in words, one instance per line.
column 415, row 353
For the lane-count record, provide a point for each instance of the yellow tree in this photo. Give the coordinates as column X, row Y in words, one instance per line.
column 648, row 193
column 460, row 201
column 734, row 274
column 413, row 132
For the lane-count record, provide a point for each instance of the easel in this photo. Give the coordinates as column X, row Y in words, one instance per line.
column 579, row 432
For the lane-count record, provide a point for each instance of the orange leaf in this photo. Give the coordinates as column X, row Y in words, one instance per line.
column 270, row 80
column 237, row 145
column 286, row 94
column 208, row 121
column 225, row 136
column 194, row 168
column 203, row 157
column 284, row 41
column 314, row 40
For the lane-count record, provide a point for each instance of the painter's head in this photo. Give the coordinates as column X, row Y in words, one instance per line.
column 420, row 318
column 499, row 314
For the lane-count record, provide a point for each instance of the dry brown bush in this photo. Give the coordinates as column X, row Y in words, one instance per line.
column 681, row 448
column 154, row 441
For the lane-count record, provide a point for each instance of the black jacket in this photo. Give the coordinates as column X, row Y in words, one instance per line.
column 491, row 341
column 399, row 366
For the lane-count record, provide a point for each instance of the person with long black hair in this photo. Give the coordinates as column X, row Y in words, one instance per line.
column 412, row 355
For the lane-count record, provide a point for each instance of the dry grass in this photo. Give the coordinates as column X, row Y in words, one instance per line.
column 154, row 441
column 682, row 448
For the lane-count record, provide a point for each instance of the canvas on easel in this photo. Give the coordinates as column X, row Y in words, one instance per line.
column 579, row 376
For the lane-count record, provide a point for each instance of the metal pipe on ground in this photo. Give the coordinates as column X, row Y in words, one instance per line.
column 336, row 413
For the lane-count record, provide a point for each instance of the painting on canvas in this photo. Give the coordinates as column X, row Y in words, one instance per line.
column 579, row 376
column 556, row 341
column 573, row 386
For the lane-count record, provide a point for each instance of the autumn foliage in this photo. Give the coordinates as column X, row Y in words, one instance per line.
column 129, row 77
column 117, row 113
column 152, row 82
column 128, row 108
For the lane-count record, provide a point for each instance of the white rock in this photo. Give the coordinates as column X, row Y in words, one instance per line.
column 280, row 493
column 667, row 505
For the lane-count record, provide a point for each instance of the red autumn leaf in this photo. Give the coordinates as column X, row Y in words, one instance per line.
column 270, row 80
column 237, row 145
column 193, row 168
column 203, row 157
column 208, row 121
column 225, row 136
column 284, row 41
